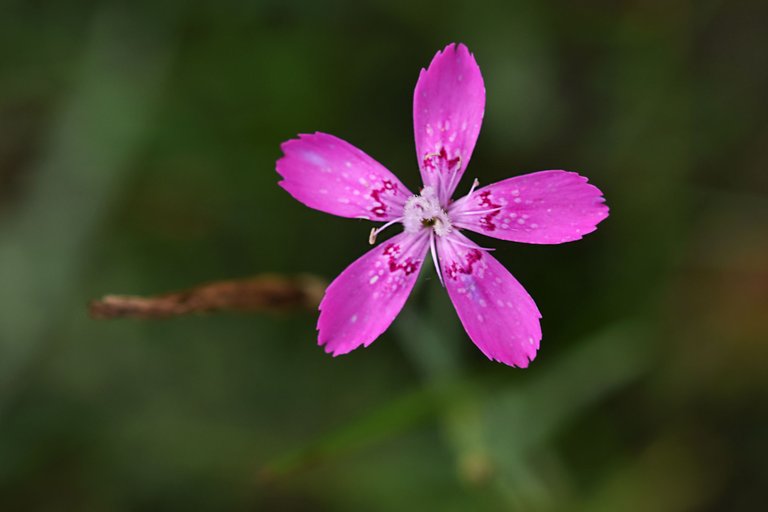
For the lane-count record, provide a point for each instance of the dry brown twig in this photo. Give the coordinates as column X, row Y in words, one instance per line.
column 265, row 293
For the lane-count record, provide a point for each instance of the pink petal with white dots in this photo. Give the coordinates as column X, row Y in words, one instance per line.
column 496, row 311
column 547, row 207
column 448, row 107
column 333, row 176
column 363, row 300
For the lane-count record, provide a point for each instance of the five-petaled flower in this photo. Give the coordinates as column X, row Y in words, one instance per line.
column 547, row 207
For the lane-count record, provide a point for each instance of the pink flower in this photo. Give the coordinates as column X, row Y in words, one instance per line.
column 547, row 207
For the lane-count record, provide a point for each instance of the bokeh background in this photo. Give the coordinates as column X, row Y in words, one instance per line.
column 137, row 150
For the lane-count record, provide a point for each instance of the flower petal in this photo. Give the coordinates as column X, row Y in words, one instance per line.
column 333, row 176
column 363, row 301
column 496, row 311
column 448, row 107
column 547, row 207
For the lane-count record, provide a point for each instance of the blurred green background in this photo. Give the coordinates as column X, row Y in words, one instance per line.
column 137, row 151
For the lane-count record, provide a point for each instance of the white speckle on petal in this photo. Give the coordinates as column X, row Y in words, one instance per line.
column 374, row 279
column 353, row 319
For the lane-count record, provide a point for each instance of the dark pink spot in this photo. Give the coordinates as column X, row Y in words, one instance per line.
column 379, row 208
column 456, row 268
column 486, row 221
column 439, row 162
column 392, row 251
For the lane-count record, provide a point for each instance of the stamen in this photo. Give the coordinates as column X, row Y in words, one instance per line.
column 433, row 249
column 473, row 246
column 375, row 231
column 481, row 212
column 473, row 187
column 454, row 172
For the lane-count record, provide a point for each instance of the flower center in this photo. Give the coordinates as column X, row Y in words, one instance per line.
column 425, row 211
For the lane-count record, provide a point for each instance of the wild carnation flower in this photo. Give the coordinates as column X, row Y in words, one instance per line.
column 547, row 207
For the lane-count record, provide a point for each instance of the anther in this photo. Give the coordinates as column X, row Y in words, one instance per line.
column 375, row 231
